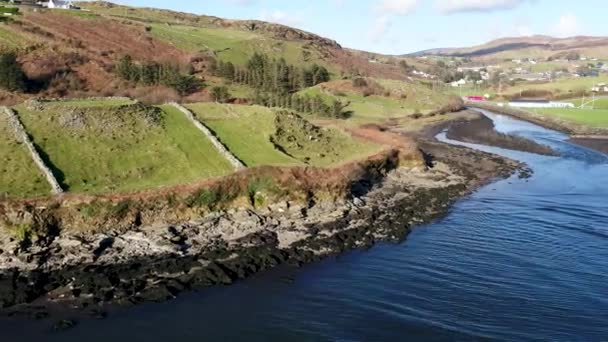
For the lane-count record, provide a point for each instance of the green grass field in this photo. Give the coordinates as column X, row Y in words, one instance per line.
column 561, row 86
column 245, row 130
column 101, row 148
column 593, row 118
column 599, row 103
column 377, row 108
column 19, row 176
column 249, row 132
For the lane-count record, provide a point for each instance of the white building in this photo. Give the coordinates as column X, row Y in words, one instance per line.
column 459, row 83
column 61, row 4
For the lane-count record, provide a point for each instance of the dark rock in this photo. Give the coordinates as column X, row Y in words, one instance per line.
column 64, row 324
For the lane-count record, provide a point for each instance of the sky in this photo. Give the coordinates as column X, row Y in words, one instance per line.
column 405, row 26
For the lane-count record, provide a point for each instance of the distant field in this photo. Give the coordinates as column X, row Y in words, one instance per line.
column 562, row 86
column 249, row 132
column 99, row 148
column 599, row 103
column 245, row 130
column 374, row 108
column 594, row 118
column 19, row 176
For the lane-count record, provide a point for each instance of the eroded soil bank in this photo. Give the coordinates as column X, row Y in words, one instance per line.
column 89, row 271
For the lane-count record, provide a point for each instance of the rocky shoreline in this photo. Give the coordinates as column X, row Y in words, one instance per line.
column 89, row 272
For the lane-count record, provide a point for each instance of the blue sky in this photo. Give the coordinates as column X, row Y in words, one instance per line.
column 402, row 26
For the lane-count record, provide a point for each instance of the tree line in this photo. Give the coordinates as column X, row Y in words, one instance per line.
column 303, row 104
column 276, row 83
column 153, row 73
column 271, row 75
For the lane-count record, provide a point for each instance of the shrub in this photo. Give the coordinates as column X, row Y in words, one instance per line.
column 23, row 232
column 454, row 104
column 119, row 210
column 220, row 94
column 203, row 198
column 12, row 77
column 359, row 82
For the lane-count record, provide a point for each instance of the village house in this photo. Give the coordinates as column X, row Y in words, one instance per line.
column 600, row 88
column 459, row 83
column 60, row 4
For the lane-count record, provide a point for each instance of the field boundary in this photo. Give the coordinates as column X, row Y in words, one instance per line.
column 221, row 148
column 21, row 134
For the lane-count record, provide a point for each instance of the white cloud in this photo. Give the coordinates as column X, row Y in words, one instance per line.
column 379, row 28
column 396, row 7
column 455, row 6
column 280, row 17
column 567, row 26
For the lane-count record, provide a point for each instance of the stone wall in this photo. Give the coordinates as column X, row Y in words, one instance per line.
column 22, row 135
column 223, row 150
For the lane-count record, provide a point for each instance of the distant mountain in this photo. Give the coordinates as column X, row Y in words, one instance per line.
column 530, row 47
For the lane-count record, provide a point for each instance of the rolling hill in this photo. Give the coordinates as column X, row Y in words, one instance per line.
column 73, row 53
column 530, row 47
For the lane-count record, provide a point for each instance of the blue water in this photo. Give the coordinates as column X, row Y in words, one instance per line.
column 517, row 260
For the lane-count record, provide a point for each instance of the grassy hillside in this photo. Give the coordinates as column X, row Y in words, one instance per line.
column 263, row 136
column 245, row 130
column 232, row 45
column 19, row 176
column 317, row 146
column 405, row 98
column 103, row 147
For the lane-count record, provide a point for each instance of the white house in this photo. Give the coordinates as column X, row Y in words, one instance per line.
column 600, row 88
column 62, row 4
column 459, row 83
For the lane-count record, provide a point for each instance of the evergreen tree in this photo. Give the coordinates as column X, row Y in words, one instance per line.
column 220, row 94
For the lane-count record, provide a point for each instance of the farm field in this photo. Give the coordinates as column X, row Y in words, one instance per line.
column 103, row 147
column 600, row 102
column 262, row 136
column 561, row 86
column 245, row 130
column 594, row 118
column 375, row 108
column 19, row 176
